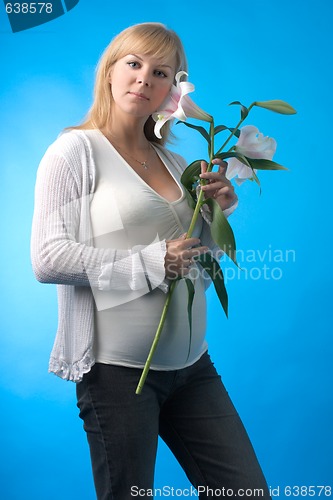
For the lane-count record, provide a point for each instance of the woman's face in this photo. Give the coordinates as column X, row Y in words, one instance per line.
column 140, row 83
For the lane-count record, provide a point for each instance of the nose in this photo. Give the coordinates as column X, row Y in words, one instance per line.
column 143, row 79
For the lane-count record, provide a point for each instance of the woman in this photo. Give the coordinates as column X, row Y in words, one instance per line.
column 109, row 228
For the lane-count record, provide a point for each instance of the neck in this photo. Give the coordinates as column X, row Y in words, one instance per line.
column 127, row 134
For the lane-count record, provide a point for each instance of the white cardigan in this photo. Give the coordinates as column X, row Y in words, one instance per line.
column 62, row 252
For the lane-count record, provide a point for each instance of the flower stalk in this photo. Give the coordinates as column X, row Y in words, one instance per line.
column 235, row 129
column 181, row 106
column 202, row 182
column 156, row 339
column 174, row 283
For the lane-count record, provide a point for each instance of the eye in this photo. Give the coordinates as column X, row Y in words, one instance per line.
column 133, row 64
column 160, row 73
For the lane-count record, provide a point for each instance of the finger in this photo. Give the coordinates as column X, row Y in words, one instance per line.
column 228, row 196
column 181, row 238
column 210, row 188
column 216, row 180
column 187, row 264
column 193, row 253
column 190, row 242
column 212, row 175
column 204, row 166
column 221, row 174
column 223, row 165
column 225, row 191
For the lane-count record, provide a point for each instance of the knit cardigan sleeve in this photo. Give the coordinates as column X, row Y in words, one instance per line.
column 61, row 245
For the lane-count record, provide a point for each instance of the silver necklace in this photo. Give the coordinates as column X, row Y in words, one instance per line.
column 144, row 163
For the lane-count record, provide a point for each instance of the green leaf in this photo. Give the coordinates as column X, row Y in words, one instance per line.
column 233, row 154
column 244, row 110
column 200, row 129
column 265, row 164
column 190, row 200
column 191, row 291
column 214, row 270
column 190, row 174
column 221, row 230
column 276, row 105
column 256, row 180
column 221, row 128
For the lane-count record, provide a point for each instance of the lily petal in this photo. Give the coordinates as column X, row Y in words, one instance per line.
column 237, row 169
column 160, row 121
column 179, row 105
column 252, row 144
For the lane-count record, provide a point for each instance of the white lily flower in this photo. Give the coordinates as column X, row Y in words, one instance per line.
column 179, row 105
column 252, row 144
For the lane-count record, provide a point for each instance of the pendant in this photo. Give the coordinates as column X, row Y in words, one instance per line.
column 144, row 164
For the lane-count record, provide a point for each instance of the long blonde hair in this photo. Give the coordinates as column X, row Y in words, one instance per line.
column 146, row 38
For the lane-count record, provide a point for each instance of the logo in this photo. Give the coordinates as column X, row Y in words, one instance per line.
column 26, row 15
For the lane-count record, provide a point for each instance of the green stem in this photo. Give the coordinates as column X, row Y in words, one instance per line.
column 201, row 194
column 173, row 284
column 195, row 215
column 234, row 130
column 156, row 339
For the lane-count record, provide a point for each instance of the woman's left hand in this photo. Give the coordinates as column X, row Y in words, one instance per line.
column 218, row 186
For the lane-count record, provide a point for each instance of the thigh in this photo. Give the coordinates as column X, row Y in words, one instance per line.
column 201, row 426
column 122, row 430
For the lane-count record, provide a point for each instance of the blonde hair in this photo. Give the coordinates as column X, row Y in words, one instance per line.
column 147, row 38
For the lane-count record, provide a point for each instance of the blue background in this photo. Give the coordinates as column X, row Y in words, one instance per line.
column 275, row 350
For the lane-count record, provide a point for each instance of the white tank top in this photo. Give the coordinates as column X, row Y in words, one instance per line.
column 125, row 212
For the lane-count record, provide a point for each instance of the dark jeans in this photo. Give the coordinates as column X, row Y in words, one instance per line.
column 189, row 408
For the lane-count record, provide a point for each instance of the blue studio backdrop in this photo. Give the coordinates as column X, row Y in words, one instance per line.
column 275, row 350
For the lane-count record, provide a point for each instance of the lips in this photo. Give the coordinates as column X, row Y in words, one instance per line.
column 139, row 95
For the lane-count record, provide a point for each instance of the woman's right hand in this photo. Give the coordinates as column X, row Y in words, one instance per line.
column 180, row 256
